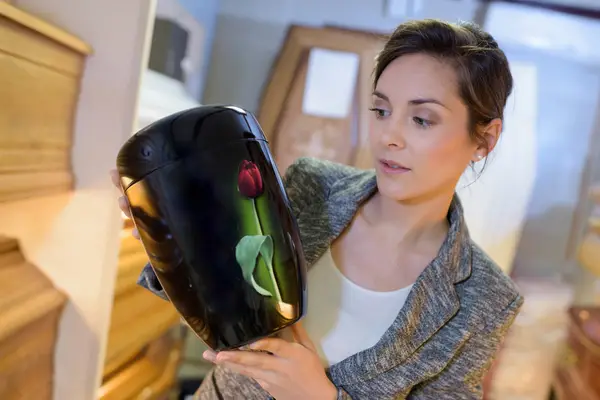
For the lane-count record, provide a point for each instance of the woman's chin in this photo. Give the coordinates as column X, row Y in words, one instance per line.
column 394, row 190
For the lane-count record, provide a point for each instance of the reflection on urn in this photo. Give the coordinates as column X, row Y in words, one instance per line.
column 216, row 223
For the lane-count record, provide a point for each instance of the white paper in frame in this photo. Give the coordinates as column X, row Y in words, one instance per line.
column 330, row 83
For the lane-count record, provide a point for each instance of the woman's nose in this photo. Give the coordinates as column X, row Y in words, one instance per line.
column 393, row 138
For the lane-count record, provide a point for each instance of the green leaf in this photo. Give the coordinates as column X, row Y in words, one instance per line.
column 246, row 253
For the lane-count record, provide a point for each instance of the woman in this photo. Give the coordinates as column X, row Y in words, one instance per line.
column 402, row 303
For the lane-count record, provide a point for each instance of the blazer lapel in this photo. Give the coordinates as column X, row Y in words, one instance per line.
column 433, row 300
column 322, row 222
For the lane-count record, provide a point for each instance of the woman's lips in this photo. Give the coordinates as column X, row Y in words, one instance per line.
column 392, row 167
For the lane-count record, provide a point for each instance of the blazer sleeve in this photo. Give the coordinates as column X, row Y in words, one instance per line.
column 300, row 185
column 462, row 379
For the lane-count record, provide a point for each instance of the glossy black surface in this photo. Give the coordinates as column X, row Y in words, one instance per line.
column 203, row 190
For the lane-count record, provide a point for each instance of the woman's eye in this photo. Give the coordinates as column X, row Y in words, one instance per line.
column 422, row 122
column 380, row 113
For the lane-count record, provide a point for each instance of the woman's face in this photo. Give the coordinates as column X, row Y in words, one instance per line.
column 418, row 130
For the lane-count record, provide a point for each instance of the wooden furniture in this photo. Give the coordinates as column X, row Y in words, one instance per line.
column 293, row 134
column 151, row 375
column 70, row 232
column 30, row 308
column 145, row 338
column 579, row 369
column 40, row 72
column 577, row 373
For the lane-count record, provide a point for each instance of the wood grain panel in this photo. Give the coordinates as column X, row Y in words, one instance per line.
column 19, row 185
column 32, row 38
column 30, row 308
column 37, row 105
column 138, row 318
column 27, row 159
column 40, row 72
column 148, row 378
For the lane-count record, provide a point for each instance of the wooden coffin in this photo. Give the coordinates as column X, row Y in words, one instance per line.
column 579, row 369
column 141, row 350
column 30, row 308
column 40, row 71
column 151, row 375
column 291, row 132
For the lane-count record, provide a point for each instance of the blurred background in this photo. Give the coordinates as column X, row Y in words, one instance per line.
column 78, row 78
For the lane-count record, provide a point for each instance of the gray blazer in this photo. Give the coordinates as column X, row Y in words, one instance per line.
column 444, row 339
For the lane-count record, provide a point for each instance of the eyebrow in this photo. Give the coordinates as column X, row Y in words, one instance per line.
column 382, row 96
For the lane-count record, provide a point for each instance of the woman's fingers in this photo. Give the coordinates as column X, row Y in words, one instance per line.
column 114, row 177
column 124, row 206
column 276, row 346
column 210, row 355
column 123, row 203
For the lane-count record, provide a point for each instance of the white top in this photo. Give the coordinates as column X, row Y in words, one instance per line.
column 343, row 318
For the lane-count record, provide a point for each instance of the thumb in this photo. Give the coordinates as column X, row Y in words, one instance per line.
column 301, row 336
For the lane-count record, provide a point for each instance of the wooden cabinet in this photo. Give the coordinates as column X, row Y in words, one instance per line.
column 40, row 72
column 30, row 308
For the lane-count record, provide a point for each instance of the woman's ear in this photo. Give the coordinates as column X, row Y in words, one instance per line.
column 490, row 134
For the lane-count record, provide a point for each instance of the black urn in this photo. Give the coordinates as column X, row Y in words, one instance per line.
column 216, row 223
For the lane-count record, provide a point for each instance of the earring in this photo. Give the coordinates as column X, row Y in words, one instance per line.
column 479, row 157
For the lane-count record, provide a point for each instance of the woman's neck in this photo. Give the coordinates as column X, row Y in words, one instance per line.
column 409, row 221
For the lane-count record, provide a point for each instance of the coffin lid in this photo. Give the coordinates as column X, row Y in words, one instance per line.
column 44, row 28
column 27, row 294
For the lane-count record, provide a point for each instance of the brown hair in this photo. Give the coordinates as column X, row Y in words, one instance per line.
column 484, row 77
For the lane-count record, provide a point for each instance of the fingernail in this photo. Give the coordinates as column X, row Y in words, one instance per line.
column 209, row 355
column 222, row 357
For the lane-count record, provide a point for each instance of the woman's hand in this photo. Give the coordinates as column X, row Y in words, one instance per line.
column 292, row 370
column 123, row 203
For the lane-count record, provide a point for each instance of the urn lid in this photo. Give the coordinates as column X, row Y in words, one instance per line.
column 182, row 134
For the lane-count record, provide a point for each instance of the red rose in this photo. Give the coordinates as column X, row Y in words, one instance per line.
column 250, row 182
